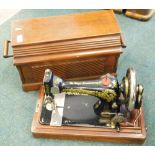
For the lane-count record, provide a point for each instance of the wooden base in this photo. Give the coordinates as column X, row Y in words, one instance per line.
column 135, row 134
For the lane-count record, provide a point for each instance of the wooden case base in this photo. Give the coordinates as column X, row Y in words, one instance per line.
column 126, row 135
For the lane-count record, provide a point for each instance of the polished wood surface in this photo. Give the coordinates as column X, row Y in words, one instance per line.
column 75, row 46
column 83, row 46
column 136, row 134
column 66, row 27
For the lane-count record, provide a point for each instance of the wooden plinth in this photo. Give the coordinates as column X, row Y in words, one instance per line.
column 135, row 134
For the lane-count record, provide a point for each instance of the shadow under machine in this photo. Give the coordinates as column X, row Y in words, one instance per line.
column 73, row 59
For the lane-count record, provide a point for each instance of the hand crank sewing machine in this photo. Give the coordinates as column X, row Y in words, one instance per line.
column 102, row 102
column 84, row 110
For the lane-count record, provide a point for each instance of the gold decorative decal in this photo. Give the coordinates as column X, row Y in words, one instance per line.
column 107, row 94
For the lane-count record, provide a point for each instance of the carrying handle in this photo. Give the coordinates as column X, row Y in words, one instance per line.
column 123, row 41
column 6, row 49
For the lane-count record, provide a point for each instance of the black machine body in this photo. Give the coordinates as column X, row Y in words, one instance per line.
column 102, row 102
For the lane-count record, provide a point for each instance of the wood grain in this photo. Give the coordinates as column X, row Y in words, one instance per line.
column 75, row 46
column 66, row 27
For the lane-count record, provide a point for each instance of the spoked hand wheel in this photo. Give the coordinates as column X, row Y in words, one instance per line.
column 131, row 92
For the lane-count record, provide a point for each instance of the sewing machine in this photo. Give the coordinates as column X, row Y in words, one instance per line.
column 96, row 110
column 93, row 103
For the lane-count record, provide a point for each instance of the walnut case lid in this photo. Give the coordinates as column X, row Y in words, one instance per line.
column 56, row 28
column 56, row 35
